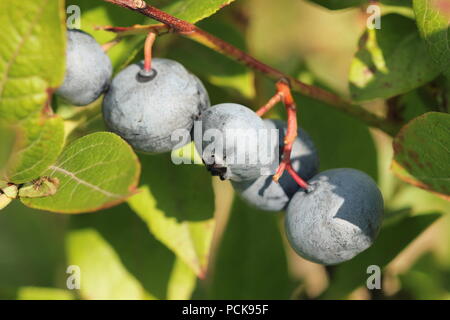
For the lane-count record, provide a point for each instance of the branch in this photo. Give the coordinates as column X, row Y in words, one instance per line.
column 136, row 29
column 278, row 97
column 187, row 29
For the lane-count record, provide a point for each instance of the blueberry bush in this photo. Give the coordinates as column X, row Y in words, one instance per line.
column 97, row 201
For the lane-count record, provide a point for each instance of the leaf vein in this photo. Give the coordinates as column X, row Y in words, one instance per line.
column 85, row 183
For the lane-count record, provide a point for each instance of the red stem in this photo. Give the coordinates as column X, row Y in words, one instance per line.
column 284, row 91
column 151, row 37
column 297, row 178
column 270, row 104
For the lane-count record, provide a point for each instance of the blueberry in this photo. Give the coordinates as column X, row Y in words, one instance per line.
column 231, row 141
column 265, row 194
column 88, row 70
column 145, row 109
column 337, row 219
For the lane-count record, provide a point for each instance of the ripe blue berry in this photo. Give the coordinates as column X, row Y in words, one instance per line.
column 147, row 108
column 337, row 219
column 265, row 194
column 88, row 70
column 231, row 137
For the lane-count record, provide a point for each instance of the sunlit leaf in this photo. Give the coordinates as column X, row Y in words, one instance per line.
column 177, row 203
column 433, row 20
column 94, row 172
column 39, row 293
column 251, row 250
column 391, row 61
column 422, row 154
column 32, row 54
column 120, row 259
column 39, row 142
column 32, row 51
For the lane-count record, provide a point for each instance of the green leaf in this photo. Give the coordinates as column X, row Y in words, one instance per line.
column 392, row 240
column 39, row 293
column 182, row 282
column 120, row 259
column 177, row 203
column 4, row 201
column 95, row 172
column 39, row 142
column 10, row 191
column 251, row 261
column 7, row 138
column 433, row 20
column 422, row 154
column 32, row 53
column 391, row 61
column 194, row 10
column 85, row 121
column 103, row 275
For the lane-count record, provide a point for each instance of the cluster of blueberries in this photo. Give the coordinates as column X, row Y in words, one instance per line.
column 336, row 218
